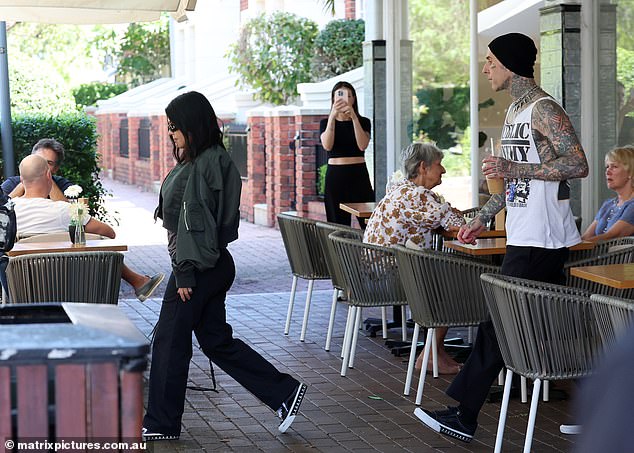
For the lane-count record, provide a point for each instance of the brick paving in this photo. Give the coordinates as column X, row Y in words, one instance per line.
column 364, row 411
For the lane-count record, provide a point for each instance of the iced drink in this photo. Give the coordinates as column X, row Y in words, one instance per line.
column 495, row 185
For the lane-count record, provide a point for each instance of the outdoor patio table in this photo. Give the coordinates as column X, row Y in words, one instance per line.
column 497, row 246
column 101, row 245
column 619, row 276
column 362, row 210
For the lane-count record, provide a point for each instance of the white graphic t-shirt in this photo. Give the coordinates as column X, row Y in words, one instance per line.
column 538, row 212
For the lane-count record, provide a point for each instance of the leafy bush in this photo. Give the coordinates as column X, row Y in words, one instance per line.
column 321, row 180
column 443, row 114
column 338, row 48
column 88, row 94
column 78, row 133
column 272, row 55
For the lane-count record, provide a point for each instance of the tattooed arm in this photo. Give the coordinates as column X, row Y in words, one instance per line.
column 561, row 154
column 469, row 232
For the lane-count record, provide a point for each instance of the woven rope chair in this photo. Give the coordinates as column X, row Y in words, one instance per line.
column 372, row 278
column 306, row 258
column 334, row 268
column 442, row 290
column 545, row 332
column 614, row 316
column 615, row 254
column 601, row 248
column 89, row 277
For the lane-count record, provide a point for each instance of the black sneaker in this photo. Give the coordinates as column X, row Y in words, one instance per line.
column 447, row 422
column 149, row 436
column 290, row 407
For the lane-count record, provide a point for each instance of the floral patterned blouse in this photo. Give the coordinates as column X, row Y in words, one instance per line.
column 409, row 212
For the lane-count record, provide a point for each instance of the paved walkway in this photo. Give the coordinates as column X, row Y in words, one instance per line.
column 364, row 411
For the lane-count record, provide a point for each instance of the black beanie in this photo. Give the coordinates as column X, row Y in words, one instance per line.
column 515, row 51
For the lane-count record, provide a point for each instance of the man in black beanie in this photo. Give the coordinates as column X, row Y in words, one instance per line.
column 540, row 152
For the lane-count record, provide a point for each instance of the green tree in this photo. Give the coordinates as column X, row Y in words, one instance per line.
column 272, row 55
column 338, row 48
column 440, row 30
column 144, row 54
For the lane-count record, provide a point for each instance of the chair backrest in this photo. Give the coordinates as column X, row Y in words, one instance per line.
column 544, row 331
column 54, row 237
column 614, row 316
column 443, row 289
column 90, row 277
column 370, row 271
column 601, row 248
column 303, row 248
column 616, row 253
column 332, row 261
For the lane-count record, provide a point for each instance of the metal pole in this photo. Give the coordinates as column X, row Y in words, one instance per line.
column 5, row 106
column 474, row 73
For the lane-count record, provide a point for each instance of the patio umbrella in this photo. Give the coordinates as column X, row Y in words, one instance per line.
column 70, row 12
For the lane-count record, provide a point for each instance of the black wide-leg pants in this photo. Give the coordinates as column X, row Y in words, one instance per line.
column 472, row 384
column 205, row 315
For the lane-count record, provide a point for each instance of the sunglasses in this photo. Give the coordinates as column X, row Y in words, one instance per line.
column 171, row 126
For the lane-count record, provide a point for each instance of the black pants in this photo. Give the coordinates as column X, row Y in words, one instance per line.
column 205, row 315
column 471, row 386
column 346, row 184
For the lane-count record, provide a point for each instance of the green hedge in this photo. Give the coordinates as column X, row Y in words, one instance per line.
column 88, row 94
column 77, row 132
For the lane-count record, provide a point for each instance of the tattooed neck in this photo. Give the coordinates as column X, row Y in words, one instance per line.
column 520, row 86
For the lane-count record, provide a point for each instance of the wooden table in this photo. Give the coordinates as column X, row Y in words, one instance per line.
column 484, row 234
column 362, row 210
column 497, row 246
column 97, row 245
column 615, row 275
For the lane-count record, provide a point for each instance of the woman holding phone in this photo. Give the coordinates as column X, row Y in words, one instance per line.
column 345, row 135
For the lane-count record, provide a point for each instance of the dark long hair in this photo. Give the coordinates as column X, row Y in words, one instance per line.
column 194, row 116
column 347, row 85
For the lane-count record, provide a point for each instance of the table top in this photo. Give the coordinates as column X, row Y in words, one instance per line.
column 614, row 275
column 96, row 245
column 484, row 234
column 363, row 210
column 497, row 246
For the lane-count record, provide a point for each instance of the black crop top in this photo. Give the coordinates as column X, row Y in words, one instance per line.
column 345, row 145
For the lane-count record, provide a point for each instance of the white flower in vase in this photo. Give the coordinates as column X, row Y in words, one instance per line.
column 73, row 191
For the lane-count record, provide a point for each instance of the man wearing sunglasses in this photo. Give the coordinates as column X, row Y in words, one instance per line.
column 53, row 151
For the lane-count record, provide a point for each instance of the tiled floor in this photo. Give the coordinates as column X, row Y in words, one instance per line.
column 364, row 411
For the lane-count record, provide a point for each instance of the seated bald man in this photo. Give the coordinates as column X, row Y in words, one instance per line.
column 37, row 214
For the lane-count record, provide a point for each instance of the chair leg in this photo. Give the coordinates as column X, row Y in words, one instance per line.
column 352, row 316
column 503, row 411
column 345, row 332
column 423, row 369
column 290, row 306
column 355, row 337
column 532, row 415
column 523, row 390
column 404, row 321
column 501, row 378
column 412, row 360
column 309, row 294
column 384, row 322
column 434, row 354
column 546, row 395
column 331, row 322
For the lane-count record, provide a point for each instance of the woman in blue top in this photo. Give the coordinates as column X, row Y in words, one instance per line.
column 616, row 216
column 345, row 135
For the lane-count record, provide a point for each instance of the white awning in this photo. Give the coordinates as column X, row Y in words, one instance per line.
column 91, row 11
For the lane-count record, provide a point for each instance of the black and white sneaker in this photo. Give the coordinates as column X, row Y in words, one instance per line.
column 290, row 407
column 570, row 429
column 149, row 436
column 447, row 422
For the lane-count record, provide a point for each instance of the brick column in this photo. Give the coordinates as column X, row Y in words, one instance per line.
column 351, row 9
column 282, row 178
column 307, row 126
column 256, row 166
column 133, row 147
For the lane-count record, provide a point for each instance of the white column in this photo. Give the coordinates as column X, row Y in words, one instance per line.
column 373, row 20
column 474, row 73
column 589, row 103
column 392, row 27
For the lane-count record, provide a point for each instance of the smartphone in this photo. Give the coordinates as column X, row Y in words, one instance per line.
column 342, row 94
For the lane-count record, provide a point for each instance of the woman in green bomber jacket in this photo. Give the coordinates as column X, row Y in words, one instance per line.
column 199, row 205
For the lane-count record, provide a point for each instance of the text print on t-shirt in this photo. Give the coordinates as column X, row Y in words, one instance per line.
column 515, row 146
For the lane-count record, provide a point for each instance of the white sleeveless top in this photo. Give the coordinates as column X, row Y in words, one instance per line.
column 538, row 212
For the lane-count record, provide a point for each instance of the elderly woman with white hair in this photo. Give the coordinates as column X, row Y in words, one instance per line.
column 411, row 211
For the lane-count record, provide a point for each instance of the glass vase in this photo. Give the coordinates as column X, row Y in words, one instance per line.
column 80, row 235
